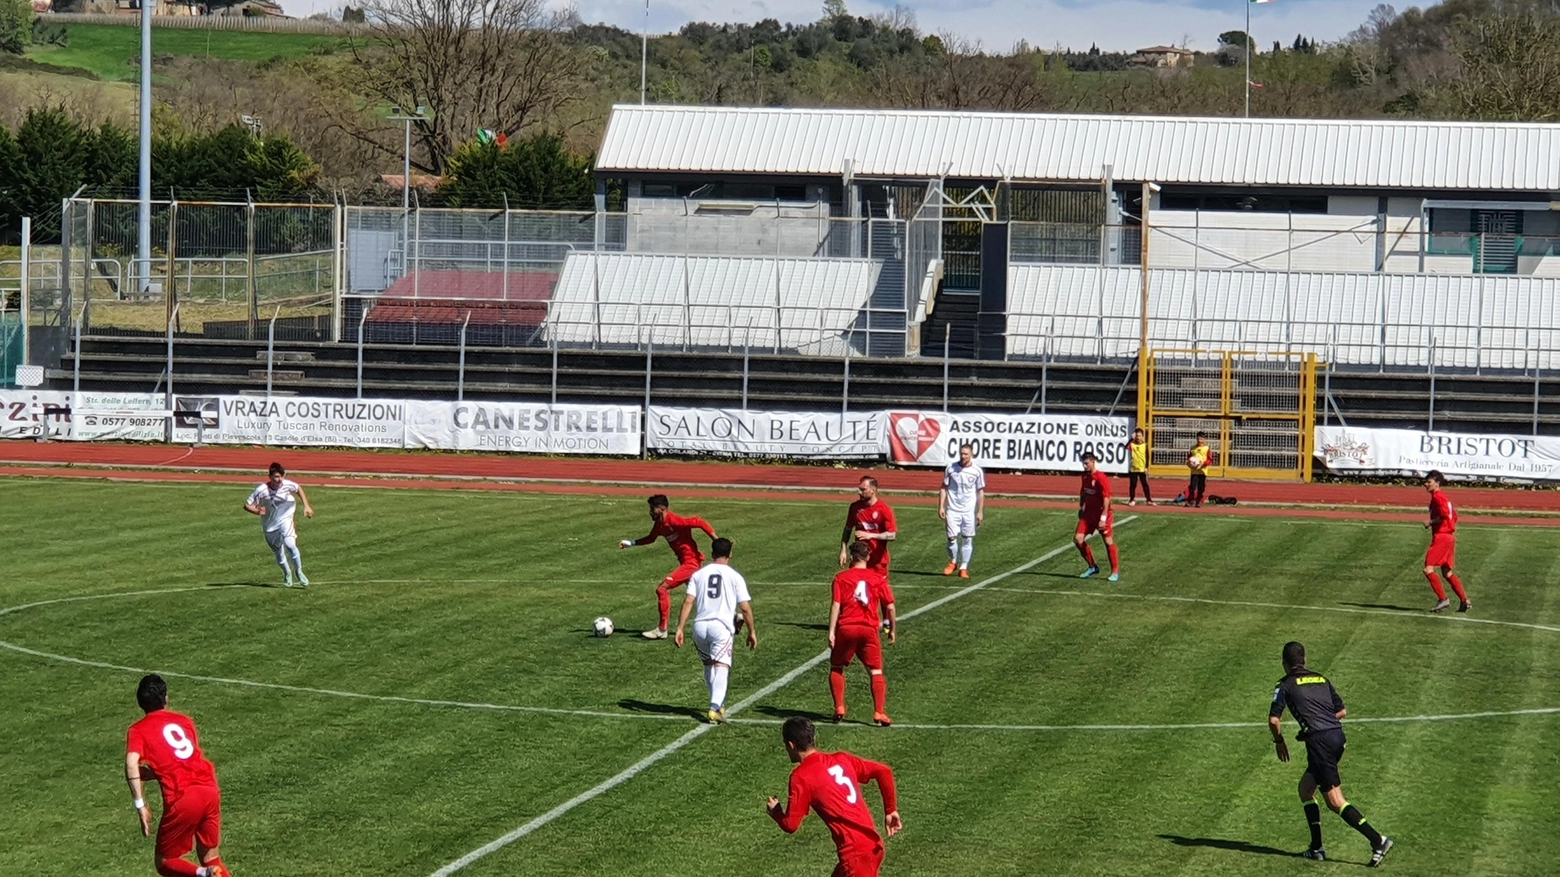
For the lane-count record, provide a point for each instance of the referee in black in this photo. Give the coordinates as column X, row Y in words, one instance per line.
column 1317, row 708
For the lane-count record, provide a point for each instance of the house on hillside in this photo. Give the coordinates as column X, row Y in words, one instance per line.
column 1162, row 56
column 197, row 7
column 41, row 6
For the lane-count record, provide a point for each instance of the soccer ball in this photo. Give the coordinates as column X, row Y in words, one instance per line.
column 604, row 626
column 1194, row 462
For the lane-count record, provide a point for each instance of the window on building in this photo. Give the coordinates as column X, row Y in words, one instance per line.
column 1256, row 202
column 726, row 191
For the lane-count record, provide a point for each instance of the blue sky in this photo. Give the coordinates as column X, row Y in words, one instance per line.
column 997, row 24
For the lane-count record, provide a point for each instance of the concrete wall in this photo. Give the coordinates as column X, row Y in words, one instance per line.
column 734, row 228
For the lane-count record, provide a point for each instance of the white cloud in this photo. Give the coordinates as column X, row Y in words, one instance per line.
column 1115, row 25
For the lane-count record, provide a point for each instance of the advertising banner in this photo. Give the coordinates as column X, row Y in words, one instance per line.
column 1411, row 452
column 92, row 415
column 524, row 427
column 22, row 413
column 300, row 421
column 1045, row 442
column 737, row 433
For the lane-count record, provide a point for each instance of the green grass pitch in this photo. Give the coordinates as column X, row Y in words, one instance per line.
column 487, row 599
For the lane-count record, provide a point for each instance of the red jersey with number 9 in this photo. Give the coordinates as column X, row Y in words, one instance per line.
column 831, row 784
column 168, row 745
column 861, row 594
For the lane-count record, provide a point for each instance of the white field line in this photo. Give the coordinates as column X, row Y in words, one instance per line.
column 671, row 748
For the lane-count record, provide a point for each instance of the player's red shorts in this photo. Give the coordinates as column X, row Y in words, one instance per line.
column 195, row 817
column 864, row 863
column 680, row 575
column 1091, row 524
column 1443, row 550
column 857, row 640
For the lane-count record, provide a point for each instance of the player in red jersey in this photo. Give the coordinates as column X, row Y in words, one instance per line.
column 679, row 535
column 1094, row 515
column 831, row 784
column 869, row 520
column 854, row 621
column 163, row 746
column 1443, row 545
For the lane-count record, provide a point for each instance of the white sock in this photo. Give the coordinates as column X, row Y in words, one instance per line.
column 719, row 674
column 953, row 548
column 967, row 549
column 297, row 559
column 281, row 561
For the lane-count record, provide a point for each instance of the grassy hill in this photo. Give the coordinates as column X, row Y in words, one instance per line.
column 109, row 51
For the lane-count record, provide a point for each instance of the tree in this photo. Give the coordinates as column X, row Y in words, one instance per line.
column 16, row 20
column 834, row 9
column 504, row 65
column 1510, row 68
column 537, row 173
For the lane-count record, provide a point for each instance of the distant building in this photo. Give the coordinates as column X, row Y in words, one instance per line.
column 1163, row 56
column 195, row 7
column 42, row 6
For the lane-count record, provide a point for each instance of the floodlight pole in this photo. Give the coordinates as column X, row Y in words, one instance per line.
column 1248, row 58
column 144, row 244
column 398, row 115
column 644, row 53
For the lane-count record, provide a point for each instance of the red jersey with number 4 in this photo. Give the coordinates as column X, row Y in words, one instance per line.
column 1443, row 518
column 861, row 594
column 831, row 784
column 874, row 518
column 1095, row 494
column 168, row 745
column 679, row 535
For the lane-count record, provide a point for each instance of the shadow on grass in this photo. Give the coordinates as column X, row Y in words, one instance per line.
column 1388, row 606
column 804, row 625
column 776, row 712
column 665, row 709
column 1238, row 846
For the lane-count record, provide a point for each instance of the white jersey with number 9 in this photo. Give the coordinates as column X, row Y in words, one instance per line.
column 716, row 590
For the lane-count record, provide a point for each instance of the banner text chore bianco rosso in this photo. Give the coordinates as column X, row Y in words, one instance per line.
column 1040, row 442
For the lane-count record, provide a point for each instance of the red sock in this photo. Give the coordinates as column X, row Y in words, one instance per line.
column 177, row 868
column 1435, row 585
column 1115, row 559
column 1456, row 584
column 663, row 598
column 1088, row 555
column 879, row 692
column 837, row 688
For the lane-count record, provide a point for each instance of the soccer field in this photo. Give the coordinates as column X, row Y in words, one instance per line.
column 438, row 688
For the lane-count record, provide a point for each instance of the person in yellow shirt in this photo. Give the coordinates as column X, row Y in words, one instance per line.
column 1198, row 459
column 1137, row 468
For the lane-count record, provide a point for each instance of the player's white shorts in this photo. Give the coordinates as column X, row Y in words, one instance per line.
column 713, row 640
column 961, row 523
column 277, row 538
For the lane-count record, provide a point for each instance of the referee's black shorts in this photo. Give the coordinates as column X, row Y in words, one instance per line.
column 1323, row 751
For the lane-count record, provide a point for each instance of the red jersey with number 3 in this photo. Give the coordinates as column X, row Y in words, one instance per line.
column 1095, row 494
column 830, row 783
column 874, row 518
column 679, row 535
column 862, row 593
column 168, row 745
column 1443, row 518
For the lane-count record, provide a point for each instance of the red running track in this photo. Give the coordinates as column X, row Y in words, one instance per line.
column 142, row 461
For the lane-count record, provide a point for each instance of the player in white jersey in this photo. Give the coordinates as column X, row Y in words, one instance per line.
column 275, row 501
column 718, row 592
column 962, row 505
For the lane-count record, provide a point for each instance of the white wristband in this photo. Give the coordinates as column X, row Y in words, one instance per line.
column 140, row 804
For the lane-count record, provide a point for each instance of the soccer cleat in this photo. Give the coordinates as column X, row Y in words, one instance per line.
column 1465, row 606
column 1114, row 577
column 1380, row 852
column 948, row 570
column 288, row 582
column 838, row 717
column 1441, row 605
column 654, row 633
column 964, row 573
column 718, row 717
column 303, row 580
column 1091, row 572
column 882, row 719
column 1318, row 854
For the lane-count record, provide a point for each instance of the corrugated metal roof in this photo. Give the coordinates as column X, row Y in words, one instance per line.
column 1332, row 153
column 629, row 299
column 1071, row 311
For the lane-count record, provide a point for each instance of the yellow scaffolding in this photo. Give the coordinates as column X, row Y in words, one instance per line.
column 1258, row 410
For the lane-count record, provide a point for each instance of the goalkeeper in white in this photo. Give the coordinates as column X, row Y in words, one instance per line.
column 718, row 592
column 962, row 505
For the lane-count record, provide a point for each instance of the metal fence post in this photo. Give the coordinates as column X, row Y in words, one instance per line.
column 1536, row 372
column 947, row 333
column 1432, row 383
column 460, row 378
column 361, row 318
column 270, row 351
column 555, row 368
column 649, row 369
column 173, row 315
column 845, row 393
column 26, row 299
column 747, row 349
column 75, row 379
column 1045, row 371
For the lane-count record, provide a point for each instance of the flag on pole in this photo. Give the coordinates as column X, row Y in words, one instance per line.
column 1262, row 1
